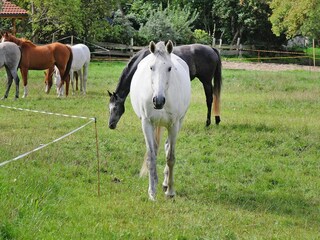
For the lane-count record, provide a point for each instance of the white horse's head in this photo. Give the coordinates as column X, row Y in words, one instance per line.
column 160, row 71
column 57, row 81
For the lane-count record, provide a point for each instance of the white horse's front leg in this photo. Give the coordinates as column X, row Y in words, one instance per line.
column 148, row 132
column 170, row 156
column 60, row 91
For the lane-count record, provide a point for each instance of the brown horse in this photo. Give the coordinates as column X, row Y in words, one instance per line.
column 42, row 57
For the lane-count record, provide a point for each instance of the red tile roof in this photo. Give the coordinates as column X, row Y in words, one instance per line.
column 11, row 10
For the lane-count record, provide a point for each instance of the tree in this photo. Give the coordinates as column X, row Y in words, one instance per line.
column 83, row 18
column 247, row 19
column 293, row 17
column 172, row 23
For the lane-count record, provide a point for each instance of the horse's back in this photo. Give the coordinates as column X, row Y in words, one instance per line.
column 201, row 59
column 10, row 54
column 81, row 56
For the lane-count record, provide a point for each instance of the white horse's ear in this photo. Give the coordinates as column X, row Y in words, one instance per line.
column 169, row 46
column 152, row 46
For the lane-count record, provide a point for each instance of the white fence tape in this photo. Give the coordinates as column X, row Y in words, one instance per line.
column 47, row 144
column 44, row 112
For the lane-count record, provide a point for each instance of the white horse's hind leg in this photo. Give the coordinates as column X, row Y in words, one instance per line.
column 72, row 81
column 82, row 88
column 148, row 132
column 85, row 77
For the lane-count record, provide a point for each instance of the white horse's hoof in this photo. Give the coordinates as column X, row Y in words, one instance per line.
column 152, row 198
column 170, row 194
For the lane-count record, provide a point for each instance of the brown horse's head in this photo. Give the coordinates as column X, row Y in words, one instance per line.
column 8, row 37
column 48, row 79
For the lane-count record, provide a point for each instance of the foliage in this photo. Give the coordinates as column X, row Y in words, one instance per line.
column 143, row 20
column 172, row 23
column 294, row 17
column 247, row 20
column 201, row 36
column 85, row 19
column 256, row 176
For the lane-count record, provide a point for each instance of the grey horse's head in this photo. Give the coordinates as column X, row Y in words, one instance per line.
column 116, row 109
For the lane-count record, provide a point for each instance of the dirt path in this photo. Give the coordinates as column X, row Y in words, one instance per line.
column 267, row 66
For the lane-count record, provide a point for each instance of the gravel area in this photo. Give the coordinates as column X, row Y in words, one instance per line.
column 267, row 66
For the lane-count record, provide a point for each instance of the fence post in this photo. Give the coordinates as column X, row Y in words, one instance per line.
column 131, row 46
column 53, row 37
column 314, row 52
column 238, row 46
column 71, row 43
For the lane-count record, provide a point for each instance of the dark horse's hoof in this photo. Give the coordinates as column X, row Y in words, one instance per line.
column 218, row 120
column 208, row 122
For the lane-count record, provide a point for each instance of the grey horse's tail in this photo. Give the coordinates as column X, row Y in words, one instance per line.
column 217, row 75
column 217, row 84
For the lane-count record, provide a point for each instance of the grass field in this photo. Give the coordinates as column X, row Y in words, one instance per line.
column 256, row 176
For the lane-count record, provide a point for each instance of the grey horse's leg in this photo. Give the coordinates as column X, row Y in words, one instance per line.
column 9, row 82
column 16, row 81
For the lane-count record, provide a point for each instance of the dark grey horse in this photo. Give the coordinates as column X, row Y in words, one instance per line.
column 204, row 63
column 10, row 56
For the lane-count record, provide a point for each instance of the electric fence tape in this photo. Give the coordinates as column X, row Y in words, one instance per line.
column 47, row 144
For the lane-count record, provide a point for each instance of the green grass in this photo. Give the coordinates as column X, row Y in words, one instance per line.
column 256, row 176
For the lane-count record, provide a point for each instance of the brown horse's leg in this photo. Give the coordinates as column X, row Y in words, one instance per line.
column 67, row 84
column 48, row 79
column 24, row 74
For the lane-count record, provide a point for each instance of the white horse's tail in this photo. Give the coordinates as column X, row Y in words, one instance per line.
column 145, row 168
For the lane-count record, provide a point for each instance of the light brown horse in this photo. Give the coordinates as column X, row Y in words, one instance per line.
column 43, row 57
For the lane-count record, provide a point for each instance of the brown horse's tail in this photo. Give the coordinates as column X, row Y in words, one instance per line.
column 217, row 84
column 69, row 63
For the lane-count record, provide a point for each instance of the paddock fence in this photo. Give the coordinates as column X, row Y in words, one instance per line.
column 239, row 52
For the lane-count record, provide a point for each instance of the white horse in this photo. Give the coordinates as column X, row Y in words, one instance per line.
column 160, row 94
column 80, row 61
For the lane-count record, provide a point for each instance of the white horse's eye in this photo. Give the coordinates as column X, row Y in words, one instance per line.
column 151, row 68
column 169, row 69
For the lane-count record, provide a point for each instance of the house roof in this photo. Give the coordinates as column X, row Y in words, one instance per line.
column 10, row 10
